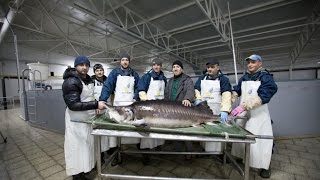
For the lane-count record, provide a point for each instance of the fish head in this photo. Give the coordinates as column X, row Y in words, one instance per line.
column 120, row 114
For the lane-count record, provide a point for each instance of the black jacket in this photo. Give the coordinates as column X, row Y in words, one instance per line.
column 72, row 88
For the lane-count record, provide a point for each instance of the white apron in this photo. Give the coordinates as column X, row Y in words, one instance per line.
column 97, row 92
column 210, row 92
column 259, row 123
column 79, row 143
column 124, row 94
column 155, row 91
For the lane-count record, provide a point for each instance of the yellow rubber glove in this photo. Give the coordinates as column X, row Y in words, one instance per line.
column 197, row 94
column 234, row 97
column 226, row 101
column 252, row 103
column 143, row 96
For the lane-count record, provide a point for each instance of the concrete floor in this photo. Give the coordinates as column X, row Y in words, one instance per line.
column 32, row 153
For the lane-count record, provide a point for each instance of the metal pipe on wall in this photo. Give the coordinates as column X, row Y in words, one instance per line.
column 24, row 93
column 4, row 94
column 233, row 51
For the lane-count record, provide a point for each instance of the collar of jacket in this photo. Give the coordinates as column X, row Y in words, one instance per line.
column 125, row 72
column 71, row 72
column 158, row 76
column 214, row 77
column 103, row 78
column 254, row 76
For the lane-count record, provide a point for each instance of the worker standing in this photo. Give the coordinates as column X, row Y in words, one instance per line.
column 99, row 78
column 180, row 88
column 122, row 82
column 256, row 89
column 215, row 88
column 151, row 86
column 78, row 94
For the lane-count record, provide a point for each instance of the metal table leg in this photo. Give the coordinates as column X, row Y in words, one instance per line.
column 247, row 160
column 224, row 153
column 97, row 140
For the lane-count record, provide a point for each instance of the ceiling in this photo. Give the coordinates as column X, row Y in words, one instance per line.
column 283, row 32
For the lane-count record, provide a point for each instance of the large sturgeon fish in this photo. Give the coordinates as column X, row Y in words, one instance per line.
column 161, row 113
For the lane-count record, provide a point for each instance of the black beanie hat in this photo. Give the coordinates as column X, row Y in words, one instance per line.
column 81, row 60
column 97, row 66
column 212, row 62
column 177, row 62
column 125, row 55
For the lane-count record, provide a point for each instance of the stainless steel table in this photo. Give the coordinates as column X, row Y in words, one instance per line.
column 167, row 136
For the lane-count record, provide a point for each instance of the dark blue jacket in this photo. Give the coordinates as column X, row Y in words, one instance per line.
column 109, row 86
column 267, row 88
column 224, row 82
column 144, row 82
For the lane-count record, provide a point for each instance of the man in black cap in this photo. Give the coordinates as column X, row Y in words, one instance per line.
column 215, row 88
column 180, row 88
column 78, row 94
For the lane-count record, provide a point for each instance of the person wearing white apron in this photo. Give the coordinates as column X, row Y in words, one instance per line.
column 122, row 82
column 78, row 94
column 215, row 88
column 151, row 86
column 256, row 89
column 99, row 78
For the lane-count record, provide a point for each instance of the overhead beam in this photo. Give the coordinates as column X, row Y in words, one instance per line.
column 306, row 33
column 148, row 33
column 9, row 19
column 213, row 12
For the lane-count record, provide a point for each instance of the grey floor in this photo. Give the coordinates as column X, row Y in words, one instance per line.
column 32, row 153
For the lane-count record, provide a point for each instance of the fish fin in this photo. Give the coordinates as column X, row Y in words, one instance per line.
column 139, row 123
column 211, row 123
column 196, row 125
column 227, row 124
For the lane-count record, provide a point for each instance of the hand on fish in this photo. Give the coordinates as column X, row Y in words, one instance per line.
column 186, row 103
column 102, row 105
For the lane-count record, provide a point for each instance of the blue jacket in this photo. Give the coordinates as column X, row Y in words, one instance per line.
column 267, row 88
column 224, row 82
column 109, row 86
column 144, row 82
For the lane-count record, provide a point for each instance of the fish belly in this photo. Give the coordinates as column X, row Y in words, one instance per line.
column 168, row 123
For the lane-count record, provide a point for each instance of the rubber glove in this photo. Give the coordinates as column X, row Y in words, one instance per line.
column 143, row 96
column 234, row 97
column 197, row 102
column 238, row 110
column 197, row 94
column 223, row 117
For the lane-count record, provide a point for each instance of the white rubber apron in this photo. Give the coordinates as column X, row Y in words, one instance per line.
column 155, row 91
column 79, row 143
column 259, row 123
column 210, row 92
column 124, row 94
column 97, row 92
